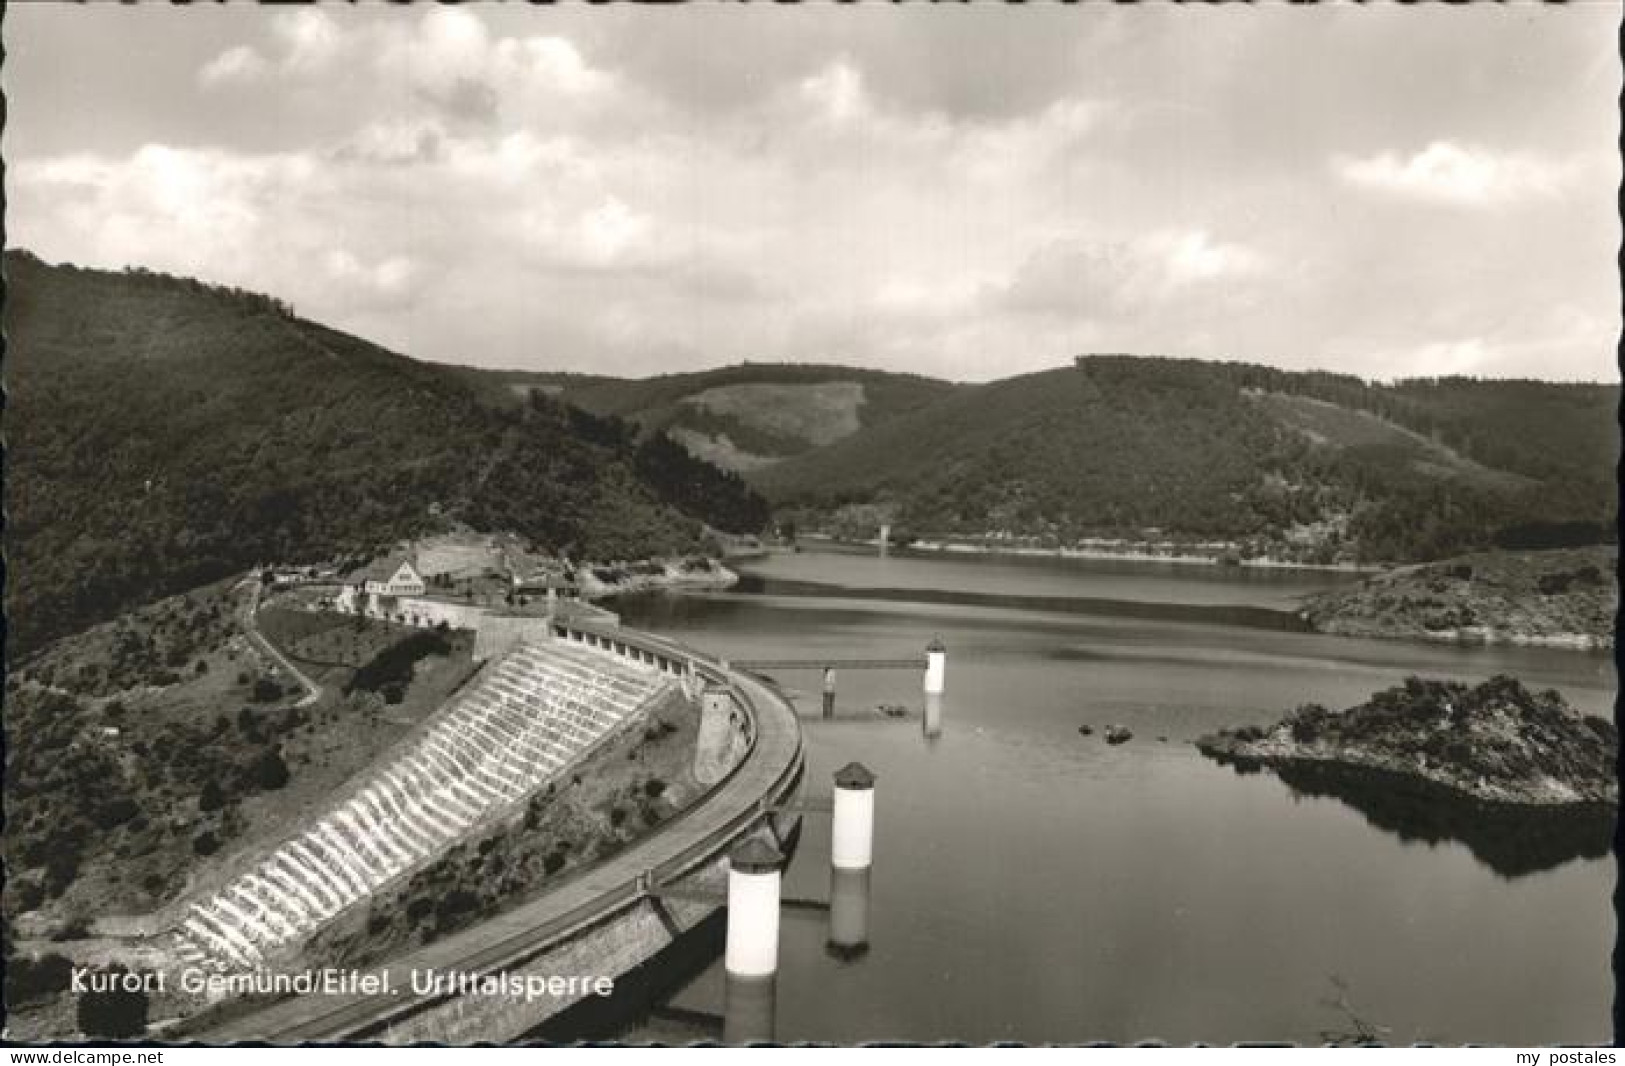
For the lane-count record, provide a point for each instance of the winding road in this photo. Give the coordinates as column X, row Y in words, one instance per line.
column 313, row 691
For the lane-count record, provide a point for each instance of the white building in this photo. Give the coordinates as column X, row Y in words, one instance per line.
column 390, row 576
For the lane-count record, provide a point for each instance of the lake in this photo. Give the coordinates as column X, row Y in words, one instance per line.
column 1034, row 884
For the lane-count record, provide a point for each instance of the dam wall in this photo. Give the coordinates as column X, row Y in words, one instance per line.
column 541, row 710
column 611, row 917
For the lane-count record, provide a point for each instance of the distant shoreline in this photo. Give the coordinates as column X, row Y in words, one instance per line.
column 941, row 547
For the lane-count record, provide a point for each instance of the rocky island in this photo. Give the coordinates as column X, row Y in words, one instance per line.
column 1559, row 598
column 1495, row 743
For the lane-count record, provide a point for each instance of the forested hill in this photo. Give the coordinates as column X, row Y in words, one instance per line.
column 741, row 417
column 1311, row 466
column 162, row 433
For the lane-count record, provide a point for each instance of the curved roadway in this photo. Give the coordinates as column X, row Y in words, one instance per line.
column 770, row 770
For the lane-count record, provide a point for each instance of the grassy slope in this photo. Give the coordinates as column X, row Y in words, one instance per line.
column 745, row 415
column 163, row 434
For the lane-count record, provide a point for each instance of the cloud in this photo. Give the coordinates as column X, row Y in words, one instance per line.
column 944, row 192
column 1448, row 173
column 394, row 141
column 1083, row 278
column 384, row 284
column 836, row 93
column 310, row 39
column 1437, row 359
column 237, row 65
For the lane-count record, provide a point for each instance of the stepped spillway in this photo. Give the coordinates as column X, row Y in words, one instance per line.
column 531, row 716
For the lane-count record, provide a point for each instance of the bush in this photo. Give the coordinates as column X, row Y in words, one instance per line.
column 454, row 906
column 654, row 788
column 268, row 772
column 114, row 812
column 211, row 798
column 29, row 979
column 205, row 844
column 390, row 671
column 118, row 1014
column 26, row 895
column 61, row 868
column 552, row 862
column 266, row 691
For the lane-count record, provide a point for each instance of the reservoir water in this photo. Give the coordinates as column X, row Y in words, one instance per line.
column 1034, row 884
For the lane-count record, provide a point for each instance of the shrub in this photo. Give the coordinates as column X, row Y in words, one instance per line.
column 390, row 671
column 61, row 867
column 26, row 894
column 29, row 979
column 654, row 788
column 114, row 812
column 454, row 905
column 553, row 862
column 268, row 772
column 205, row 844
column 117, row 1014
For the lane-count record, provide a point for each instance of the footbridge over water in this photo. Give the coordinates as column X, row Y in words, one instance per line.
column 762, row 665
column 933, row 664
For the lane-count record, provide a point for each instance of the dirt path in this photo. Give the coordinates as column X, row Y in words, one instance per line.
column 313, row 691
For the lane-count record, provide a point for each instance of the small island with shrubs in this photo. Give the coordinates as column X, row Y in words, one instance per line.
column 1495, row 742
column 1561, row 598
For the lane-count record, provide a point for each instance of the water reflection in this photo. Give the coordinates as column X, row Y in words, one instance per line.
column 749, row 1007
column 933, row 716
column 1511, row 839
column 848, row 914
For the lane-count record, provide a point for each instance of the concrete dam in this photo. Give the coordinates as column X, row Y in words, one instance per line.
column 531, row 717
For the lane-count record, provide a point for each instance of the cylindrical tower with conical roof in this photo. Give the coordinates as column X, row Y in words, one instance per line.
column 936, row 667
column 754, row 873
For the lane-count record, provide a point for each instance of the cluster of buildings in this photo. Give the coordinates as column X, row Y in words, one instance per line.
column 456, row 583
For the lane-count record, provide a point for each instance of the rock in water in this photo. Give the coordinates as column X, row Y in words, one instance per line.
column 1496, row 742
column 1087, row 731
column 1118, row 734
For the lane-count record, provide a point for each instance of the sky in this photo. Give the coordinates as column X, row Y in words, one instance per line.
column 968, row 192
